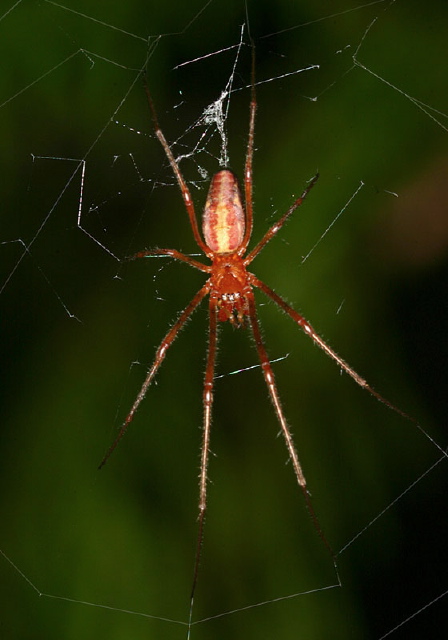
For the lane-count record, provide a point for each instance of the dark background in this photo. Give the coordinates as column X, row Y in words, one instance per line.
column 124, row 537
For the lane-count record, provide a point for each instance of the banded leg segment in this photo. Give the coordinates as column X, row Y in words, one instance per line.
column 159, row 357
column 205, row 447
column 315, row 337
column 273, row 392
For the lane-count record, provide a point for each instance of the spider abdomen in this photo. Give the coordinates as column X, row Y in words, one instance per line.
column 223, row 220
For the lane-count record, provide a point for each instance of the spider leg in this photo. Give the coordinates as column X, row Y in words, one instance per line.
column 159, row 357
column 205, row 447
column 308, row 329
column 273, row 392
column 172, row 253
column 248, row 165
column 186, row 195
column 270, row 233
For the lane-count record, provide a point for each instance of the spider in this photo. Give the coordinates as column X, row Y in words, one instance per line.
column 226, row 232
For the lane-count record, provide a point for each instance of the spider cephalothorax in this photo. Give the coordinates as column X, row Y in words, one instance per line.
column 229, row 287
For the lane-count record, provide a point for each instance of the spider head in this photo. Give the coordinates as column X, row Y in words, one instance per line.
column 229, row 288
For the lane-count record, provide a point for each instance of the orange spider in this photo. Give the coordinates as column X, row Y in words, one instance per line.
column 227, row 229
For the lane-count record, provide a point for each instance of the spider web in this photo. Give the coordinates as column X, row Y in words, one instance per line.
column 355, row 95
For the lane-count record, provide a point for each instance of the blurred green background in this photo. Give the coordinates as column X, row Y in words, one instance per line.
column 375, row 288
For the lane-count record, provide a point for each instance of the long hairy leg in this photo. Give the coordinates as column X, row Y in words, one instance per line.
column 248, row 164
column 308, row 329
column 205, row 446
column 171, row 253
column 273, row 392
column 159, row 357
column 272, row 231
column 186, row 195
